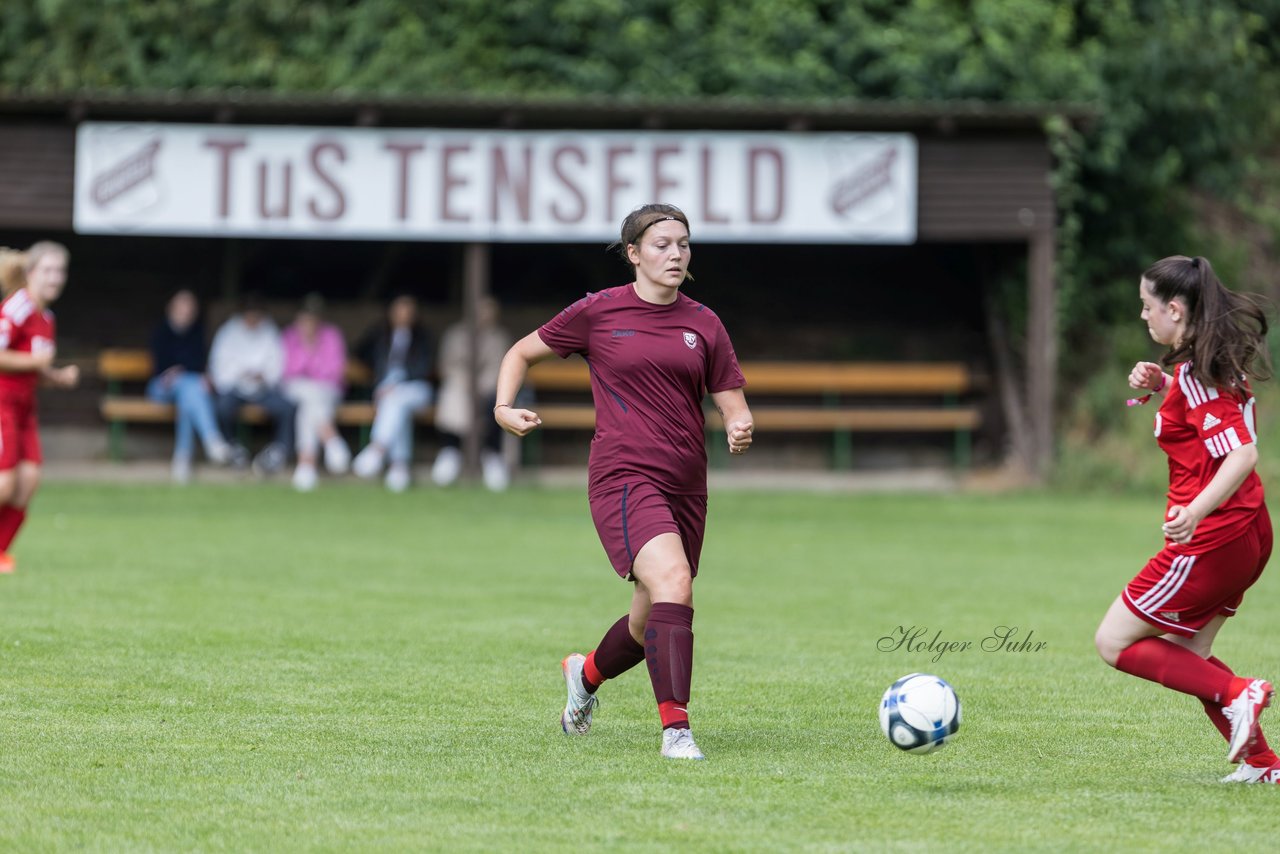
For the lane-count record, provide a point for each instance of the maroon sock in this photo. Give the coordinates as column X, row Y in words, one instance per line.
column 616, row 653
column 11, row 519
column 1260, row 755
column 668, row 648
column 1177, row 667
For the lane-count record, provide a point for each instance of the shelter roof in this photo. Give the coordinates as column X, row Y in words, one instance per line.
column 244, row 106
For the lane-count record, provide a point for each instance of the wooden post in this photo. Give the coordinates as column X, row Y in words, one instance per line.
column 475, row 288
column 1042, row 350
column 232, row 270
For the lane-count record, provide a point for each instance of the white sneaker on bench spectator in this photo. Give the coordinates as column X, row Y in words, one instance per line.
column 368, row 462
column 337, row 456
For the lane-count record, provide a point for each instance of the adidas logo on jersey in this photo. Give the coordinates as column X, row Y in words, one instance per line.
column 1210, row 421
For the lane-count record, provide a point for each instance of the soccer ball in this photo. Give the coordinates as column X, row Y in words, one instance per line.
column 920, row 713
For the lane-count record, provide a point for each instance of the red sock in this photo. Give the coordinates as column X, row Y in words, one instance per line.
column 668, row 648
column 1177, row 667
column 1260, row 754
column 11, row 519
column 617, row 653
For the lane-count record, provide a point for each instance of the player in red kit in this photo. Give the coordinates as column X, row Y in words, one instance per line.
column 32, row 281
column 1216, row 526
column 654, row 353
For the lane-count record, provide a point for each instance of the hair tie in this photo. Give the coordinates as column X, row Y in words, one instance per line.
column 1195, row 262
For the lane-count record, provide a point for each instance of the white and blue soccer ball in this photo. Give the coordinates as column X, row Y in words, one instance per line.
column 920, row 713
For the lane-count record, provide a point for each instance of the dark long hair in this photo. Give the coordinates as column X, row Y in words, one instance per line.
column 1225, row 337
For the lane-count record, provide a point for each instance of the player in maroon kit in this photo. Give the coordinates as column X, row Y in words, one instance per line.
column 1216, row 526
column 32, row 281
column 653, row 353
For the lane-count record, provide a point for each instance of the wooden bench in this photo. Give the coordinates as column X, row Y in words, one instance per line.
column 118, row 367
column 841, row 398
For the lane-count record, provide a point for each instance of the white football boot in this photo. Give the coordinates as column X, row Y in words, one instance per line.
column 576, row 717
column 1243, row 713
column 679, row 744
column 1246, row 773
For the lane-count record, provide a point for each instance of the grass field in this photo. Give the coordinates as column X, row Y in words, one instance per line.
column 247, row 669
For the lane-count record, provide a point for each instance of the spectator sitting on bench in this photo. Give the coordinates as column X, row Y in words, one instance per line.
column 454, row 415
column 398, row 351
column 178, row 359
column 246, row 363
column 315, row 360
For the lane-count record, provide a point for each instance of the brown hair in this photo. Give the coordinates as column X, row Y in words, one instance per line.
column 1225, row 338
column 15, row 265
column 641, row 220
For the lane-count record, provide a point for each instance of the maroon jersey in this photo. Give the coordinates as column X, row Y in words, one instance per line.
column 1197, row 426
column 651, row 365
column 24, row 328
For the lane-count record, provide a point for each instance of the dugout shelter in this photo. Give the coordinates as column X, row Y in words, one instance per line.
column 839, row 230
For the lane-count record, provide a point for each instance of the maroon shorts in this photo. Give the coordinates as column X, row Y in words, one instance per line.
column 631, row 515
column 1182, row 593
column 19, row 434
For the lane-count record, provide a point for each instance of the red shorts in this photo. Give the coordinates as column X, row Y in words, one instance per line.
column 19, row 434
column 1182, row 593
column 631, row 515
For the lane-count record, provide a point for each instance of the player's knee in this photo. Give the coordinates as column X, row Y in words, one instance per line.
column 28, row 483
column 674, row 583
column 1108, row 648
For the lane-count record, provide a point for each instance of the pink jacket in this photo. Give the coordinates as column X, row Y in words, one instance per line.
column 326, row 361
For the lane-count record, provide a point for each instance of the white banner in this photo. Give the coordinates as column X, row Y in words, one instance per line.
column 481, row 185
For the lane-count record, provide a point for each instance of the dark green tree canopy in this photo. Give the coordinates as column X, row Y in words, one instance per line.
column 1184, row 88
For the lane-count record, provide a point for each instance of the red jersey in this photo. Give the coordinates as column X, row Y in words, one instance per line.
column 651, row 365
column 24, row 328
column 1197, row 426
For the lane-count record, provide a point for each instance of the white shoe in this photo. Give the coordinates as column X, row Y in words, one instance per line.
column 679, row 744
column 219, row 453
column 576, row 717
column 304, row 478
column 447, row 467
column 270, row 460
column 337, row 456
column 368, row 463
column 1246, row 773
column 181, row 470
column 398, row 477
column 1243, row 712
column 494, row 471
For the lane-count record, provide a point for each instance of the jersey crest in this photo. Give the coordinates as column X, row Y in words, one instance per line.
column 691, row 340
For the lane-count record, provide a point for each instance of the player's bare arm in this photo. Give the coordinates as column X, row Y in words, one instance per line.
column 529, row 350
column 738, row 426
column 66, row 376
column 14, row 361
column 1149, row 376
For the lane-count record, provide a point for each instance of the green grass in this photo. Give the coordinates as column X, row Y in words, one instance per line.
column 246, row 669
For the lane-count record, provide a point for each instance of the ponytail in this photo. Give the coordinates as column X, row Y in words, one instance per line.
column 1225, row 337
column 13, row 270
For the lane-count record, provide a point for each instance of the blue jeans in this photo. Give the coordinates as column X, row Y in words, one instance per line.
column 191, row 398
column 393, row 418
column 279, row 409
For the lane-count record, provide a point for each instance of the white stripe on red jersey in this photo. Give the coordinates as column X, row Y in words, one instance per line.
column 1195, row 391
column 1221, row 444
column 1247, row 412
column 19, row 307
